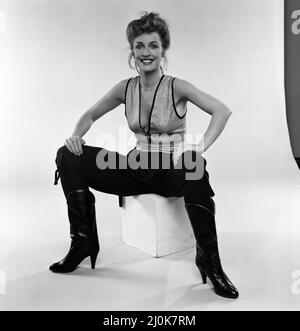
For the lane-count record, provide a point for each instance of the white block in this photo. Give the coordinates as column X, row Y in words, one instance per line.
column 156, row 225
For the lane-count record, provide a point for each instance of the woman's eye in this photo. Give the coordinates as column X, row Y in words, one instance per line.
column 153, row 46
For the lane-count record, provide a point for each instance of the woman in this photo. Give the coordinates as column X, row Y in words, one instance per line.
column 155, row 107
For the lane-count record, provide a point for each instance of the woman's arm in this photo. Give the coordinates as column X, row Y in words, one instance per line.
column 220, row 112
column 108, row 102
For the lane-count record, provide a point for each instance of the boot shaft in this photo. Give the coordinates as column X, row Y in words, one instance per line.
column 82, row 218
column 202, row 219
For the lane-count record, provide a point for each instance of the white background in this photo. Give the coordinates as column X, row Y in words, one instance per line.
column 59, row 57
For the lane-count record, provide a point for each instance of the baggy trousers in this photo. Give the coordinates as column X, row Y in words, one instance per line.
column 83, row 171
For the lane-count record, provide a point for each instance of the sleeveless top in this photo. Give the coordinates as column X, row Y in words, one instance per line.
column 165, row 128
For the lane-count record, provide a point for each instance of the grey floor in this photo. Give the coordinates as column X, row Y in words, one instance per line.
column 259, row 232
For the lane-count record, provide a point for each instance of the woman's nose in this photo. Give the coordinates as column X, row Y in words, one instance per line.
column 146, row 51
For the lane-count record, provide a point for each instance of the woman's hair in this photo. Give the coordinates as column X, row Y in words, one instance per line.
column 149, row 22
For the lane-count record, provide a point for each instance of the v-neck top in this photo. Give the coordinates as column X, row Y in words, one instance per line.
column 165, row 128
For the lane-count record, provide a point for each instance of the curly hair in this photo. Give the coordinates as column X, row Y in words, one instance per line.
column 149, row 22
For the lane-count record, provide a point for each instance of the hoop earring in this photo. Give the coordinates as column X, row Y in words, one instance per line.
column 164, row 65
column 162, row 71
column 136, row 67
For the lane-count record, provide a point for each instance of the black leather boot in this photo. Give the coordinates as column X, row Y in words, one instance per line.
column 83, row 230
column 202, row 218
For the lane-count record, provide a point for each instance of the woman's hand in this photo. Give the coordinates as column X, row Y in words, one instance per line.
column 74, row 145
column 186, row 147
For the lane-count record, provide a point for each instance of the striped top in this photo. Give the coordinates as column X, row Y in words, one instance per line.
column 163, row 128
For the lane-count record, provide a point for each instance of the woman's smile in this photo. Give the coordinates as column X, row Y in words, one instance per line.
column 147, row 61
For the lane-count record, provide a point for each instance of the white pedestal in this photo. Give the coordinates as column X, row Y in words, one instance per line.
column 156, row 225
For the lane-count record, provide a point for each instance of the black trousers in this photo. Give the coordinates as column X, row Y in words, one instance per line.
column 82, row 172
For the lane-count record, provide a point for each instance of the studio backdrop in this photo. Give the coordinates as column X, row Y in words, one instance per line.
column 59, row 57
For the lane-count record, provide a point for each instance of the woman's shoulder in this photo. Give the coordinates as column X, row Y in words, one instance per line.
column 125, row 81
column 129, row 80
column 122, row 86
column 177, row 79
column 180, row 86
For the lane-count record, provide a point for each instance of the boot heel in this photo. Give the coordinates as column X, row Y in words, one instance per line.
column 203, row 275
column 202, row 219
column 93, row 260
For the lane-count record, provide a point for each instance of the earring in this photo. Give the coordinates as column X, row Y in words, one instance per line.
column 164, row 65
column 162, row 71
column 136, row 67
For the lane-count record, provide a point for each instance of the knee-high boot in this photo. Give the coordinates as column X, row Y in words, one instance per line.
column 83, row 231
column 202, row 218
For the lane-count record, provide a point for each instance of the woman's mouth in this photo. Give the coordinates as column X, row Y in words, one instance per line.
column 147, row 62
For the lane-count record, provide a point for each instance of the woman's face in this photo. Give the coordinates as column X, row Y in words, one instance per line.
column 148, row 46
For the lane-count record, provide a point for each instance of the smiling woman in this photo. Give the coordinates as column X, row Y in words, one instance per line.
column 153, row 45
column 155, row 105
column 147, row 50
